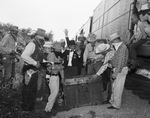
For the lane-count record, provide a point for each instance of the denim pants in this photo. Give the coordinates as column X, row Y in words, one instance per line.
column 134, row 46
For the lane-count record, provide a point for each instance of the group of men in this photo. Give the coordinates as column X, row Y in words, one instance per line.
column 56, row 62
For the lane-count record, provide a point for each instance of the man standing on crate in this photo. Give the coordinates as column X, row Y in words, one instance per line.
column 32, row 56
column 7, row 48
column 120, row 70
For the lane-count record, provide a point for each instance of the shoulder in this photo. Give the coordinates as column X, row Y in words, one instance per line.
column 7, row 36
column 30, row 45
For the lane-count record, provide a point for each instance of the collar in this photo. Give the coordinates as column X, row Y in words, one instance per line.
column 118, row 45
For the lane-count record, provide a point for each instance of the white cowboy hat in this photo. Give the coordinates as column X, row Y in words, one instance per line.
column 114, row 36
column 48, row 44
column 101, row 48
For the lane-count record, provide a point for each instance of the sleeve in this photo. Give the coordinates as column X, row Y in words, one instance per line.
column 67, row 41
column 122, row 60
column 85, row 54
column 4, row 40
column 102, row 69
column 26, row 55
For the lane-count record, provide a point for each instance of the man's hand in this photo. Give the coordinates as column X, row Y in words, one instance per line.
column 95, row 76
column 113, row 76
column 66, row 32
column 84, row 64
column 38, row 64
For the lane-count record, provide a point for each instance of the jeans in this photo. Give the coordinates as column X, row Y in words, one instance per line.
column 134, row 46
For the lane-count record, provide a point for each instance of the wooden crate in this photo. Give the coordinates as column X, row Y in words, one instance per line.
column 82, row 91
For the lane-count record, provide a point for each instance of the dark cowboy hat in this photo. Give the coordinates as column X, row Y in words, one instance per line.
column 41, row 32
column 14, row 28
column 72, row 42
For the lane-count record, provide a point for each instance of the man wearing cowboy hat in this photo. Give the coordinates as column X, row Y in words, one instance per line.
column 32, row 55
column 53, row 72
column 105, row 69
column 89, row 56
column 41, row 75
column 7, row 47
column 120, row 70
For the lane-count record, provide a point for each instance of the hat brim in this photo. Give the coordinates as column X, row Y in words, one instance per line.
column 89, row 40
column 115, row 38
column 105, row 48
column 40, row 34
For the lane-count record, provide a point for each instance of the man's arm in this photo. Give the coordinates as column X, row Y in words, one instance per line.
column 26, row 55
column 66, row 37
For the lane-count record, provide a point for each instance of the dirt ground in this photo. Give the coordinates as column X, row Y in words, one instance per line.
column 132, row 107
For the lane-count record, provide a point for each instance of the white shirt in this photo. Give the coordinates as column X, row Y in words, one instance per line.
column 26, row 55
column 117, row 45
column 70, row 58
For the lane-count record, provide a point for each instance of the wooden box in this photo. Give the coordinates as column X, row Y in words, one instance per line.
column 82, row 90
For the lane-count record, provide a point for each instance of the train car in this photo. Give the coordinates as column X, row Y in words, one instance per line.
column 86, row 28
column 112, row 16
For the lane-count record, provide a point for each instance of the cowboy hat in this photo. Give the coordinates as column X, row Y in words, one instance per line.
column 81, row 38
column 48, row 44
column 57, row 45
column 104, row 40
column 41, row 32
column 114, row 36
column 62, row 40
column 101, row 48
column 14, row 28
column 91, row 37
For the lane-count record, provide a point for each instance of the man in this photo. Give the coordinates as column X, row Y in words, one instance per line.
column 71, row 60
column 89, row 57
column 53, row 75
column 105, row 70
column 120, row 70
column 32, row 55
column 7, row 47
column 138, row 38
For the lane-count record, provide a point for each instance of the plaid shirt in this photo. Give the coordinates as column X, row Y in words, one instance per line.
column 120, row 58
column 108, row 57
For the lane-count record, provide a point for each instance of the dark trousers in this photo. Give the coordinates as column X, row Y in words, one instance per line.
column 29, row 93
column 134, row 46
column 106, row 80
column 41, row 83
column 7, row 63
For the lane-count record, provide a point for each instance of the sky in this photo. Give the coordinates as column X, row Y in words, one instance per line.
column 51, row 15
